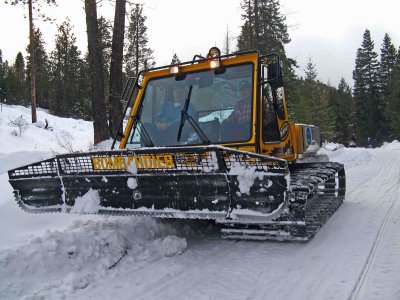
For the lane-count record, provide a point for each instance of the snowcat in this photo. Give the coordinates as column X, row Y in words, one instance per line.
column 205, row 139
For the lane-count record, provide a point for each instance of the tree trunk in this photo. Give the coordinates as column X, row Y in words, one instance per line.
column 117, row 49
column 33, row 65
column 100, row 126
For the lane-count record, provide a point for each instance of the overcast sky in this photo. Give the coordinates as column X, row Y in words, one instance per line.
column 327, row 31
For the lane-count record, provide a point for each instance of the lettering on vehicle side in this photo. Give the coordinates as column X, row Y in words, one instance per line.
column 284, row 131
column 141, row 162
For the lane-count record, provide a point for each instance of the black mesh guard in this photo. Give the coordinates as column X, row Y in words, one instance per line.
column 151, row 160
column 46, row 167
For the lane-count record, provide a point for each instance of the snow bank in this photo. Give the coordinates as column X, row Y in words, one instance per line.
column 395, row 145
column 332, row 146
column 61, row 262
column 350, row 157
column 105, row 145
column 353, row 157
column 64, row 133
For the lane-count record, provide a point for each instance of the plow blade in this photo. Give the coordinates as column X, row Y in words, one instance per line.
column 191, row 182
column 249, row 196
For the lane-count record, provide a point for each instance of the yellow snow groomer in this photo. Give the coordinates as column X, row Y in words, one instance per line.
column 204, row 139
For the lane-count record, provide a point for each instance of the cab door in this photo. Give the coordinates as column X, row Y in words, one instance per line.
column 276, row 135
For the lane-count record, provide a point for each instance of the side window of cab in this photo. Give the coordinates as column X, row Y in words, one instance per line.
column 270, row 129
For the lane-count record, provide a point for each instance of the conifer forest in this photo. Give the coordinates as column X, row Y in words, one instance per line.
column 368, row 107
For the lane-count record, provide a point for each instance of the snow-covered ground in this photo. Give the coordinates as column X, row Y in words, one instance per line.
column 356, row 255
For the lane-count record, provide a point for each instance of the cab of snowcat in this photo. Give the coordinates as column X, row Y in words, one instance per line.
column 234, row 100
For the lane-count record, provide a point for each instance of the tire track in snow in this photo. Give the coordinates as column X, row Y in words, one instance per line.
column 219, row 269
column 225, row 281
column 359, row 285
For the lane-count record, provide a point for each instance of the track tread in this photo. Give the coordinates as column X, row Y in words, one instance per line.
column 320, row 203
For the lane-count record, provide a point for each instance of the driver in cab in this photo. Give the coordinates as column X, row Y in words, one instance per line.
column 167, row 121
column 237, row 126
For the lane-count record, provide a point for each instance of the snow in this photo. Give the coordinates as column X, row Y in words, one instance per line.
column 132, row 183
column 131, row 166
column 34, row 138
column 87, row 204
column 212, row 163
column 355, row 255
column 84, row 253
column 395, row 145
column 245, row 176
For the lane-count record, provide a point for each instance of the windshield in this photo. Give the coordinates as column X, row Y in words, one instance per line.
column 220, row 103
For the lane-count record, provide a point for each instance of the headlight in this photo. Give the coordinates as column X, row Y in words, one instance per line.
column 174, row 70
column 214, row 55
column 214, row 64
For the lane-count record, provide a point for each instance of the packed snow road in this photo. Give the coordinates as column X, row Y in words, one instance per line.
column 354, row 256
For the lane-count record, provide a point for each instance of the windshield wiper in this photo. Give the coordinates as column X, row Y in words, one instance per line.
column 185, row 116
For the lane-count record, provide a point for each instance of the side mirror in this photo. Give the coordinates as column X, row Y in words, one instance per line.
column 274, row 75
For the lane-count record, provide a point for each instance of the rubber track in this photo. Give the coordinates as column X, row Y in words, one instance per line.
column 318, row 184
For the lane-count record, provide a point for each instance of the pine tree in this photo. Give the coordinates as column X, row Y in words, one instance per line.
column 343, row 110
column 393, row 101
column 19, row 68
column 41, row 69
column 387, row 64
column 311, row 71
column 386, row 67
column 105, row 32
column 138, row 55
column 366, row 92
column 82, row 107
column 265, row 29
column 10, row 83
column 13, row 91
column 65, row 69
column 175, row 59
column 3, row 86
column 315, row 103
